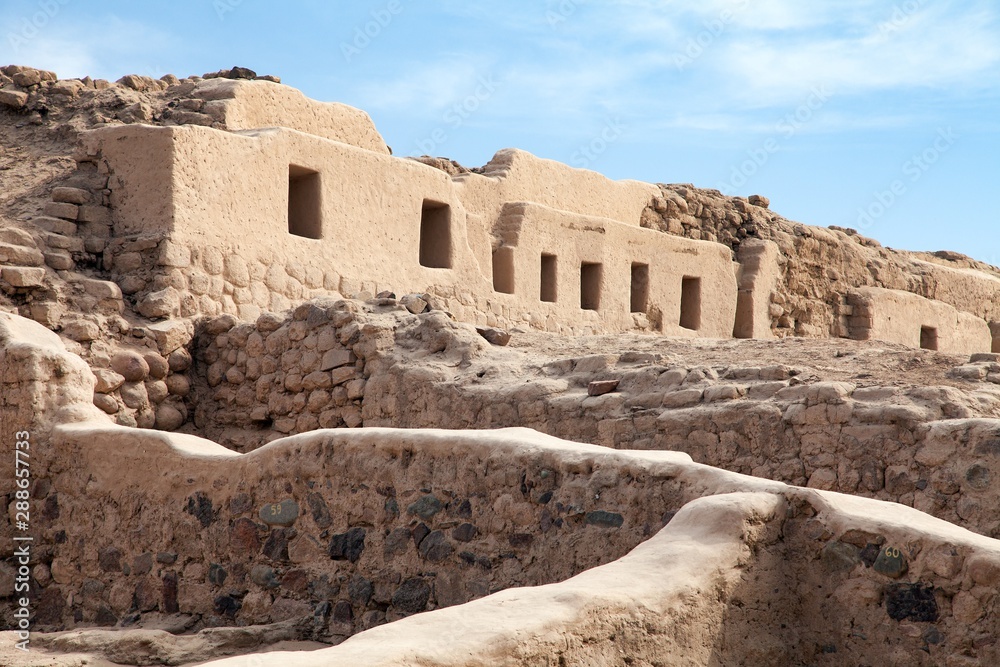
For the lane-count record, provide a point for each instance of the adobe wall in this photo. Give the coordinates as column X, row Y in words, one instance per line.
column 909, row 319
column 207, row 262
column 631, row 260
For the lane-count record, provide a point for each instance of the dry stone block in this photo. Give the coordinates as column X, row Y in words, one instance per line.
column 494, row 336
column 20, row 255
column 92, row 214
column 70, row 195
column 160, row 304
column 106, row 403
column 24, row 277
column 61, row 210
column 724, row 392
column 341, row 375
column 130, row 365
column 171, row 335
column 178, row 385
column 336, row 359
column 134, row 396
column 101, row 289
column 602, row 387
column 59, row 260
column 682, row 399
column 81, row 330
column 14, row 99
column 16, row 236
column 157, row 391
column 179, row 360
column 107, row 380
column 168, row 418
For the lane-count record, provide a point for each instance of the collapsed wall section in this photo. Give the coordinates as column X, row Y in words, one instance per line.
column 250, row 105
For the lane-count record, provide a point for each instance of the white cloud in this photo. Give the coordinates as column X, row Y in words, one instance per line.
column 103, row 47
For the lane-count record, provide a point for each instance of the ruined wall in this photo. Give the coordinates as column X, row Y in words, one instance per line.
column 818, row 267
column 901, row 317
column 249, row 105
column 518, row 176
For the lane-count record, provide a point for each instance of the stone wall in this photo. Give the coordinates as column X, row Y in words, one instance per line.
column 425, row 520
column 355, row 529
column 778, row 422
column 922, row 447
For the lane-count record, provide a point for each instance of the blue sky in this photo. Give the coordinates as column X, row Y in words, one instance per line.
column 877, row 115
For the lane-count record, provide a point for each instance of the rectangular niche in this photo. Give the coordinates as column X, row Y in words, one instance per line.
column 548, row 285
column 640, row 288
column 435, row 235
column 503, row 270
column 691, row 303
column 928, row 338
column 591, row 276
column 304, row 203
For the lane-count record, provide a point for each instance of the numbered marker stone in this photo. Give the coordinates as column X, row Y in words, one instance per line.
column 891, row 562
column 280, row 514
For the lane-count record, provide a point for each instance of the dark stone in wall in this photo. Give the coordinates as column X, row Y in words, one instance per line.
column 217, row 574
column 521, row 540
column 426, row 507
column 50, row 511
column 465, row 532
column 276, row 547
column 891, row 562
column 240, row 504
column 606, row 519
column 280, row 514
column 913, row 602
column 360, row 590
column 245, row 536
column 342, row 612
column 146, row 596
column 50, row 607
column 264, row 576
column 143, row 563
column 170, row 605
column 464, row 510
column 200, row 507
column 227, row 605
column 319, row 509
column 105, row 616
column 412, row 596
column 295, row 581
column 397, row 541
column 420, row 532
column 348, row 546
column 435, row 547
column 109, row 559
